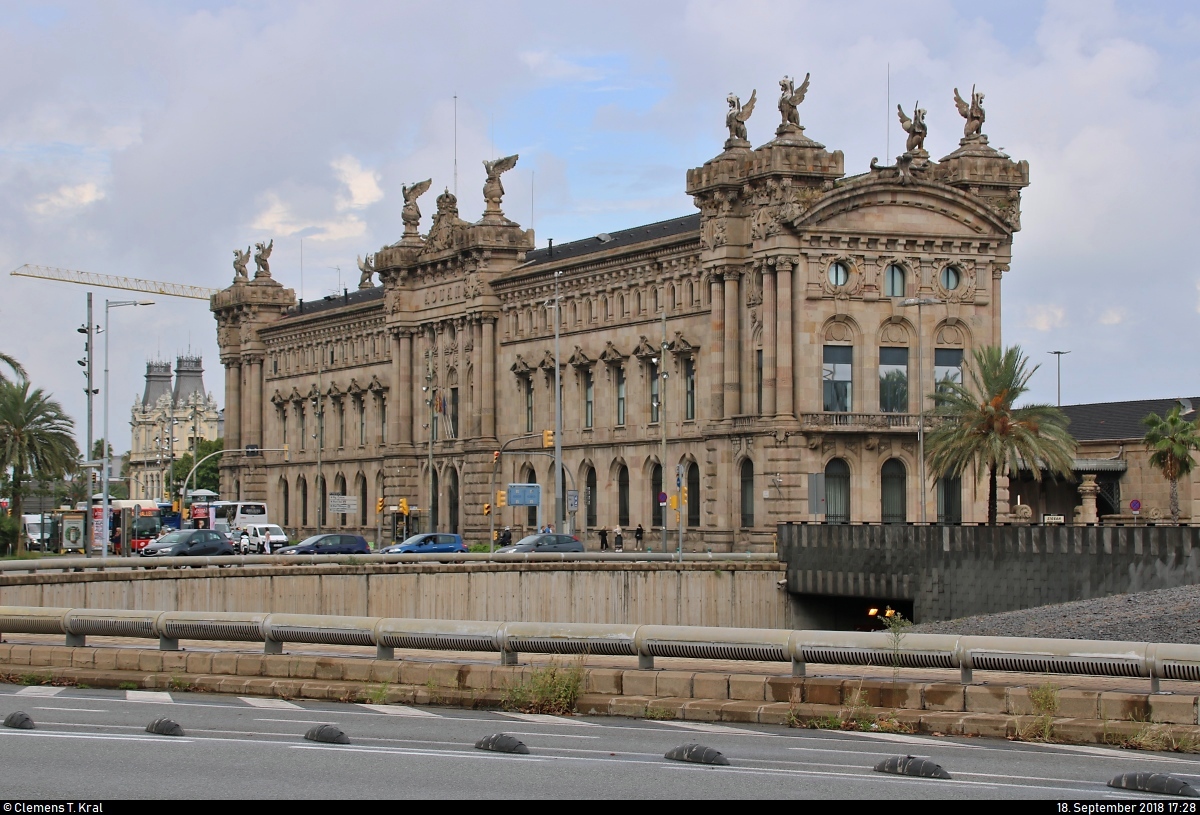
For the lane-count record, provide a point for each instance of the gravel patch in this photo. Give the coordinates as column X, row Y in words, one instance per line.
column 1164, row 615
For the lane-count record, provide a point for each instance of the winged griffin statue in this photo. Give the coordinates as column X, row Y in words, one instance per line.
column 973, row 113
column 262, row 251
column 240, row 259
column 367, row 267
column 493, row 190
column 411, row 214
column 736, row 117
column 916, row 129
column 789, row 100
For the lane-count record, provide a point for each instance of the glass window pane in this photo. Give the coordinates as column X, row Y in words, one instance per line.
column 838, row 376
column 947, row 365
column 894, row 492
column 893, row 380
column 950, row 278
column 837, row 492
column 839, row 273
column 894, row 281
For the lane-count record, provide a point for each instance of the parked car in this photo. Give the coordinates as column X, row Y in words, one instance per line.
column 329, row 544
column 189, row 542
column 260, row 534
column 428, row 543
column 543, row 542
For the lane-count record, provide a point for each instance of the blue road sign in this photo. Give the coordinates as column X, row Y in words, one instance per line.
column 524, row 495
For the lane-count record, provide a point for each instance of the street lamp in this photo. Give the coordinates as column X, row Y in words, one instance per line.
column 559, row 509
column 1059, row 354
column 110, row 304
column 919, row 302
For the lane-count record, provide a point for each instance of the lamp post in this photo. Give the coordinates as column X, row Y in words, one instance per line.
column 919, row 302
column 1059, row 354
column 110, row 304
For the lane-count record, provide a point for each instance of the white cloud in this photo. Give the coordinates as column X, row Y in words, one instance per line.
column 361, row 184
column 1044, row 317
column 278, row 218
column 67, row 198
column 1114, row 316
column 546, row 65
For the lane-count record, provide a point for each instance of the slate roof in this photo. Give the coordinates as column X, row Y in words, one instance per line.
column 1103, row 421
column 336, row 301
column 623, row 238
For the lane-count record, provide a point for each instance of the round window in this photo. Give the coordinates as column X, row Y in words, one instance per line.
column 950, row 278
column 839, row 273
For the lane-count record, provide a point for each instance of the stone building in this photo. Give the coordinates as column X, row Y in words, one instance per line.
column 787, row 352
column 167, row 423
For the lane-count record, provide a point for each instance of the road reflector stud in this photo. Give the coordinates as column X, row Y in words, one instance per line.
column 163, row 726
column 911, row 765
column 502, row 743
column 19, row 720
column 1154, row 782
column 327, row 733
column 697, row 754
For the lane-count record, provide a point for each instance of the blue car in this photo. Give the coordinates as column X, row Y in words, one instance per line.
column 428, row 543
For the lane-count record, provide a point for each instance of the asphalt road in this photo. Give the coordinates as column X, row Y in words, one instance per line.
column 92, row 745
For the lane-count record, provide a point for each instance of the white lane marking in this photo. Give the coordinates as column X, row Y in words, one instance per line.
column 288, row 721
column 95, row 736
column 484, row 754
column 39, row 690
column 903, row 739
column 546, row 718
column 1111, row 752
column 401, row 710
column 275, row 704
column 73, row 709
column 162, row 697
column 550, row 735
column 705, row 727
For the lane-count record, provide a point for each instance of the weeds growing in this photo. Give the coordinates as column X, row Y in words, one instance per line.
column 550, row 689
column 1044, row 699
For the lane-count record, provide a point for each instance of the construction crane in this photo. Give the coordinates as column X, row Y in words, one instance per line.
column 105, row 281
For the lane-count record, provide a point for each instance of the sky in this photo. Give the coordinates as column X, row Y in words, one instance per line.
column 150, row 139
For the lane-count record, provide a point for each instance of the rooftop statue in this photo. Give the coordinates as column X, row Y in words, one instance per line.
column 973, row 113
column 262, row 251
column 916, row 129
column 240, row 259
column 493, row 190
column 367, row 267
column 789, row 101
column 411, row 214
column 735, row 119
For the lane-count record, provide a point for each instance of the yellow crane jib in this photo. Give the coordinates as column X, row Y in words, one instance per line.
column 105, row 281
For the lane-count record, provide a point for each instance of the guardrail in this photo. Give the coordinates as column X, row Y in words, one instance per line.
column 77, row 564
column 1153, row 661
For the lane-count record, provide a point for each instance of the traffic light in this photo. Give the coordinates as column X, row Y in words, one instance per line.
column 674, row 502
column 495, row 456
column 379, row 506
column 403, row 506
column 684, row 495
column 547, row 438
column 501, row 498
column 487, row 509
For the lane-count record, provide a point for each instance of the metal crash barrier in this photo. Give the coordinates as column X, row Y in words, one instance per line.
column 1153, row 661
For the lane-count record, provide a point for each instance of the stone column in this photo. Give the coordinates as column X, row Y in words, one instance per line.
column 784, row 405
column 717, row 346
column 400, row 398
column 252, row 433
column 487, row 356
column 769, row 340
column 1087, row 491
column 233, row 404
column 476, row 407
column 733, row 343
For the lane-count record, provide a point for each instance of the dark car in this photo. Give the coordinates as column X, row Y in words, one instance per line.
column 189, row 542
column 428, row 543
column 544, row 542
column 329, row 545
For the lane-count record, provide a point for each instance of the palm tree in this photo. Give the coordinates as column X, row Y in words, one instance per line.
column 977, row 425
column 1172, row 440
column 11, row 362
column 35, row 438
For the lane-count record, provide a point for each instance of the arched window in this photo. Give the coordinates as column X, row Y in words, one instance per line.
column 693, row 502
column 637, row 302
column 362, row 501
column 452, row 500
column 656, row 486
column 671, row 297
column 283, row 495
column 689, row 295
column 620, row 305
column 531, row 516
column 322, row 502
column 747, row 479
column 434, row 503
column 590, row 481
column 837, row 492
column 623, row 496
column 894, row 492
column 302, row 493
column 339, row 486
column 894, row 280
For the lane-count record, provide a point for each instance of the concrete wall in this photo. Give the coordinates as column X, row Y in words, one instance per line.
column 741, row 595
column 958, row 571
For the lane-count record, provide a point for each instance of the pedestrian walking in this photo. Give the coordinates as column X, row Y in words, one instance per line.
column 638, row 534
column 603, row 540
column 618, row 539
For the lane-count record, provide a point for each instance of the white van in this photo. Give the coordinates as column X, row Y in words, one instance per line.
column 264, row 539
